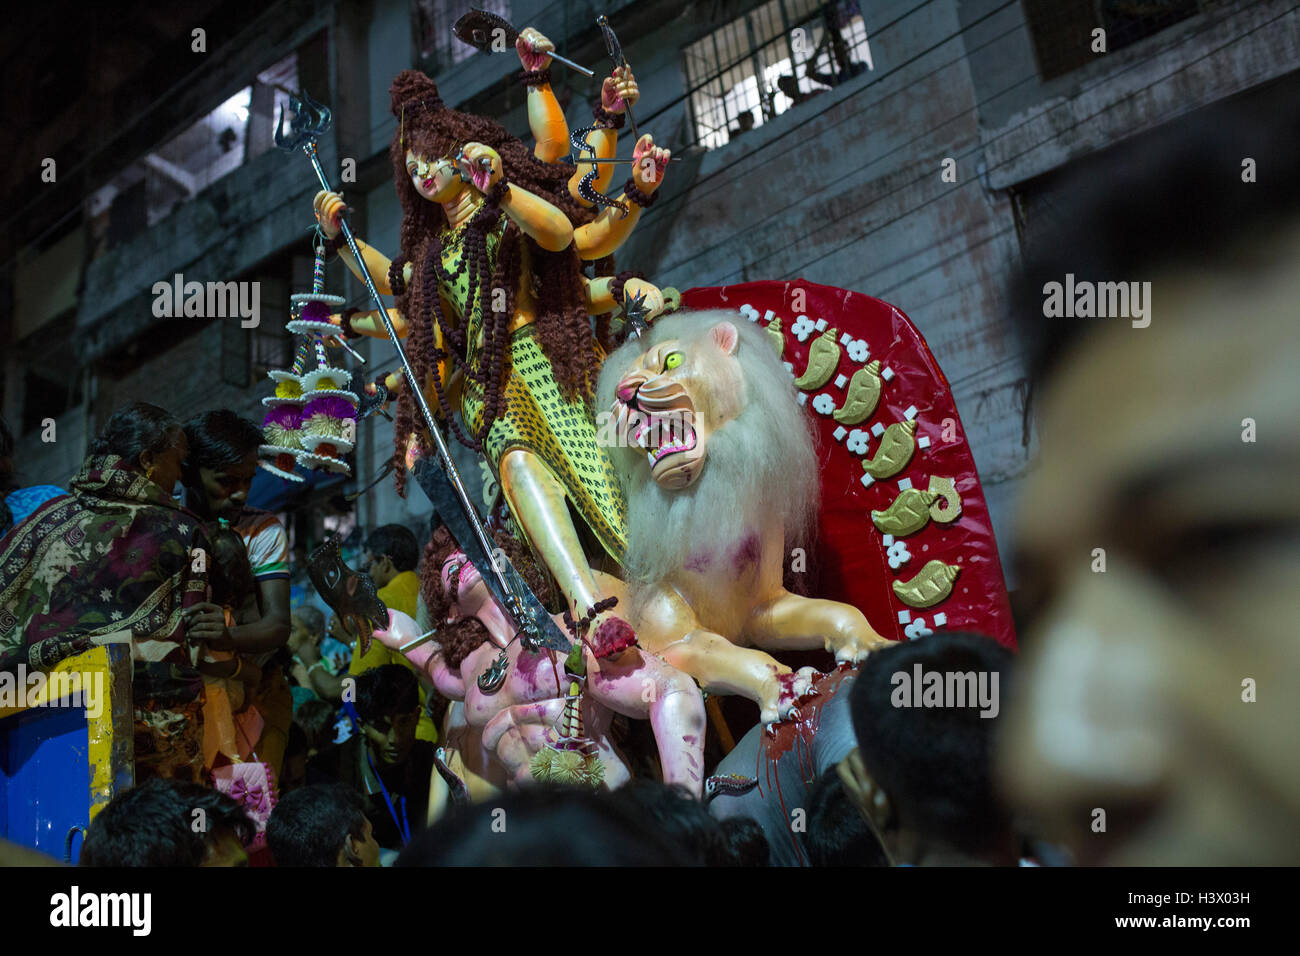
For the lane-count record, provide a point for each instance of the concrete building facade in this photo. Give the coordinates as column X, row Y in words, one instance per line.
column 914, row 172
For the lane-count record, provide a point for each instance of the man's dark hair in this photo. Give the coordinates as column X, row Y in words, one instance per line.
column 386, row 692
column 221, row 438
column 309, row 826
column 153, row 825
column 672, row 815
column 838, row 834
column 745, row 841
column 136, row 429
column 544, row 826
column 317, row 719
column 934, row 763
column 1173, row 196
column 398, row 543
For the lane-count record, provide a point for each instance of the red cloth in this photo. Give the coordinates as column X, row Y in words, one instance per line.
column 851, row 555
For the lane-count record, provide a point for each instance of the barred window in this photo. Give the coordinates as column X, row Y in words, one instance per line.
column 775, row 57
column 436, row 47
column 1062, row 29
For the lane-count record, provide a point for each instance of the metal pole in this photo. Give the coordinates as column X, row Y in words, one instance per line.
column 449, row 466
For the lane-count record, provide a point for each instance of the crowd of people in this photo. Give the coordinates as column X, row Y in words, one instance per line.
column 1146, row 722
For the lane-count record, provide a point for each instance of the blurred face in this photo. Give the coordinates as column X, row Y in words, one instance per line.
column 380, row 567
column 391, row 738
column 226, row 488
column 300, row 632
column 164, row 468
column 365, row 850
column 436, row 180
column 1139, row 679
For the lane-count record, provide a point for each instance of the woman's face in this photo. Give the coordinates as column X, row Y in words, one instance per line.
column 436, row 180
column 164, row 468
column 226, row 488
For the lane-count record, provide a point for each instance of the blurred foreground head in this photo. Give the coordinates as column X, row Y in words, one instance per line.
column 1160, row 696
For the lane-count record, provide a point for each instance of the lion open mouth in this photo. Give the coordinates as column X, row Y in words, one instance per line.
column 660, row 433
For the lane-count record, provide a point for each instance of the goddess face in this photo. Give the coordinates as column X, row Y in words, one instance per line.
column 436, row 180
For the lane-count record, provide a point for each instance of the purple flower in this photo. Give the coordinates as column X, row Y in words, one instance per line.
column 316, row 311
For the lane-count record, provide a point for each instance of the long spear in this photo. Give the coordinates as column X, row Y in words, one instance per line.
column 310, row 120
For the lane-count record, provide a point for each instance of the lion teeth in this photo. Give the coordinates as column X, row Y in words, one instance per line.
column 650, row 456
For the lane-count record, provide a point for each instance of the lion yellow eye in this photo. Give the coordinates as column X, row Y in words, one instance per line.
column 673, row 360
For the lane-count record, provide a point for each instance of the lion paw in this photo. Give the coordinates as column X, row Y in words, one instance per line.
column 784, row 693
column 854, row 644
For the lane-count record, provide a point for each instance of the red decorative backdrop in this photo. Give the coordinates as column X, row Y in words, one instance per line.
column 852, row 554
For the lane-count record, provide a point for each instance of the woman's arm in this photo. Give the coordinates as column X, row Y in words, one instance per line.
column 328, row 207
column 609, row 230
column 547, row 225
column 545, row 118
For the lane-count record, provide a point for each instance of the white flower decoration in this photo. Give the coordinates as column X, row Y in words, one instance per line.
column 105, row 594
column 858, row 350
column 917, row 629
column 898, row 555
column 803, row 327
column 183, row 528
column 116, row 615
column 857, row 441
column 824, row 403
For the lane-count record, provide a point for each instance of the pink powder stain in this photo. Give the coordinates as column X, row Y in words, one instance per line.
column 698, row 562
column 747, row 553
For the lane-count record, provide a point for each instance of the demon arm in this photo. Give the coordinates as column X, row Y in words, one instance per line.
column 427, row 658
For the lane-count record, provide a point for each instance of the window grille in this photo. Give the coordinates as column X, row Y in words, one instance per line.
column 773, row 58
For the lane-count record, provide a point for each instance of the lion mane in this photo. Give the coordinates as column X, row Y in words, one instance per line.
column 760, row 467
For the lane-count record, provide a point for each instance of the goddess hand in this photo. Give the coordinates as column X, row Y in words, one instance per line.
column 619, row 91
column 534, row 49
column 654, row 299
column 648, row 164
column 480, row 165
column 328, row 207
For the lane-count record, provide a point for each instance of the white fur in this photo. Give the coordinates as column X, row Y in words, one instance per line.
column 759, row 468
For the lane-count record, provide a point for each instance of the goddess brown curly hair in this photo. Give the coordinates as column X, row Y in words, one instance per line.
column 563, row 328
column 459, row 638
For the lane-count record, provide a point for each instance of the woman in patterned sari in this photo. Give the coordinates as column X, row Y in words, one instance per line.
column 116, row 556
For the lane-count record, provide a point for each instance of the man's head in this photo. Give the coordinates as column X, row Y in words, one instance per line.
column 388, row 703
column 1158, row 537
column 322, row 825
column 221, row 463
column 166, row 823
column 921, row 714
column 390, row 550
column 306, row 625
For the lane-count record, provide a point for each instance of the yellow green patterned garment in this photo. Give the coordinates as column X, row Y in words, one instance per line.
column 538, row 417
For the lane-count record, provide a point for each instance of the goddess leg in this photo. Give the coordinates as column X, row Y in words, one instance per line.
column 537, row 500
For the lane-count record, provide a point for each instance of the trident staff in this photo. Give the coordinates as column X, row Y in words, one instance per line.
column 309, row 120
